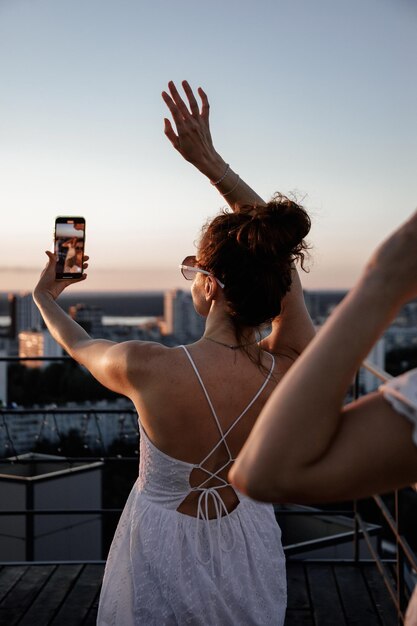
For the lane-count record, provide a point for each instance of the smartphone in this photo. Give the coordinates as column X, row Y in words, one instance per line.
column 69, row 246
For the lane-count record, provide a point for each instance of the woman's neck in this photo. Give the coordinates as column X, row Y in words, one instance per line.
column 220, row 329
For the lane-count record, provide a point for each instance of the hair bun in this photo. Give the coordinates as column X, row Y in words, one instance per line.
column 275, row 230
column 251, row 251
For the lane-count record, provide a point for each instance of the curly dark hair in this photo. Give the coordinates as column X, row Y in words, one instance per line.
column 251, row 251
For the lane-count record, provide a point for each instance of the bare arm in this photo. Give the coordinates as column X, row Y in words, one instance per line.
column 193, row 141
column 107, row 361
column 292, row 329
column 306, row 446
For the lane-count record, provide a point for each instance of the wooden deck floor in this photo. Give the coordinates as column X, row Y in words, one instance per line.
column 319, row 594
column 337, row 594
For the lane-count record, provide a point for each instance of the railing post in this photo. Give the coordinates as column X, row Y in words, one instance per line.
column 30, row 524
column 400, row 558
column 355, row 502
column 356, row 547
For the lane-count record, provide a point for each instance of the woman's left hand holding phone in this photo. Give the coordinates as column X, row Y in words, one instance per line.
column 51, row 286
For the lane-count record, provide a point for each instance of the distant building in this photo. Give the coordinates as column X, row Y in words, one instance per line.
column 38, row 343
column 89, row 316
column 375, row 357
column 181, row 319
column 400, row 337
column 24, row 314
column 321, row 303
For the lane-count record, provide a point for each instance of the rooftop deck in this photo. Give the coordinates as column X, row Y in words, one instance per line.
column 319, row 594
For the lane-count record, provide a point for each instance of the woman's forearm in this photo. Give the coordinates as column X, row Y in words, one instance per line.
column 61, row 326
column 228, row 183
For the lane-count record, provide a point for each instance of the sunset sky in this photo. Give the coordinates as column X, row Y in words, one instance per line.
column 317, row 98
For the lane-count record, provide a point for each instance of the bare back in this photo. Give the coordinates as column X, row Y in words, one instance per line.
column 178, row 419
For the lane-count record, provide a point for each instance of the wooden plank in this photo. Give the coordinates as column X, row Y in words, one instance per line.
column 9, row 576
column 21, row 596
column 53, row 594
column 297, row 587
column 355, row 597
column 78, row 602
column 383, row 602
column 324, row 593
column 299, row 618
column 91, row 618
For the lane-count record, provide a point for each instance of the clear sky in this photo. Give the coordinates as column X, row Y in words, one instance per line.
column 317, row 97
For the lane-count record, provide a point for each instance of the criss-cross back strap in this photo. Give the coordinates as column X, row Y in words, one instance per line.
column 224, row 434
column 211, row 495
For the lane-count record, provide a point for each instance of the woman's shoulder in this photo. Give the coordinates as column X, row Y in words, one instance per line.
column 149, row 357
column 147, row 351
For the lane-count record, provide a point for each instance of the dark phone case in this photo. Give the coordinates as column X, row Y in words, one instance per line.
column 68, row 275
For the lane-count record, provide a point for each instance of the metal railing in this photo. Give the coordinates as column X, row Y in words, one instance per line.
column 392, row 570
column 405, row 559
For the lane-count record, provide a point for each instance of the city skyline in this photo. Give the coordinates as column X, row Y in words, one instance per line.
column 315, row 98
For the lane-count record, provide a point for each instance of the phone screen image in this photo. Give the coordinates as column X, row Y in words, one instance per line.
column 69, row 246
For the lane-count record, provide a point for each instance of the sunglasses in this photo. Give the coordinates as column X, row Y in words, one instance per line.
column 189, row 269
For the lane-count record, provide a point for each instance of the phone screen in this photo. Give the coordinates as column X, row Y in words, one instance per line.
column 69, row 246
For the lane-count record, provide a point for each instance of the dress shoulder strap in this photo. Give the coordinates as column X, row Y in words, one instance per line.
column 248, row 406
column 200, row 380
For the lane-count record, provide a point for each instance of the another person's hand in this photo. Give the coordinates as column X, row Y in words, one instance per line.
column 394, row 264
column 192, row 138
column 49, row 285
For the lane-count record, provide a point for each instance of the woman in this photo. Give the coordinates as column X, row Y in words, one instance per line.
column 189, row 549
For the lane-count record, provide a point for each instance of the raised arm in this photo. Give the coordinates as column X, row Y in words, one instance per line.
column 108, row 362
column 292, row 329
column 193, row 141
column 306, row 446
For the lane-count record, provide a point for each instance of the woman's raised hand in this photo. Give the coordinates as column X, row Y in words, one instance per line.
column 192, row 138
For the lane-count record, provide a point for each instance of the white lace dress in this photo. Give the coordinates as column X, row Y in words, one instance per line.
column 167, row 568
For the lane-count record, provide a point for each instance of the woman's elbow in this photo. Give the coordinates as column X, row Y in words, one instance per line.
column 255, row 484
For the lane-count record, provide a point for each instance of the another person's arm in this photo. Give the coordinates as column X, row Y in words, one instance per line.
column 306, row 446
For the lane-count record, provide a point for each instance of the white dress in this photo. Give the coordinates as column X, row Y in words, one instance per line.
column 166, row 568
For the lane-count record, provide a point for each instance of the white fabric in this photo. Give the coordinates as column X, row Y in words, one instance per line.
column 168, row 568
column 401, row 393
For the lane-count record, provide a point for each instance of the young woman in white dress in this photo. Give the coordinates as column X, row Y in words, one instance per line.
column 190, row 549
column 307, row 446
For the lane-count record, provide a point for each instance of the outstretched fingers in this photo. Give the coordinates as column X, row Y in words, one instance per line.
column 191, row 98
column 178, row 100
column 169, row 132
column 205, row 106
